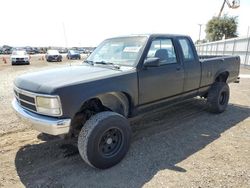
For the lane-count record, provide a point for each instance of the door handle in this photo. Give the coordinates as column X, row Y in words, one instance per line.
column 178, row 68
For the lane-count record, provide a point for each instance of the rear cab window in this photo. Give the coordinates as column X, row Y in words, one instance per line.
column 187, row 51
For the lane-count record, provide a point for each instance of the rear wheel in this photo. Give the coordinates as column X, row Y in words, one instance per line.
column 104, row 139
column 218, row 97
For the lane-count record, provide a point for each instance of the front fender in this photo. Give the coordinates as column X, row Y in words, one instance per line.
column 117, row 93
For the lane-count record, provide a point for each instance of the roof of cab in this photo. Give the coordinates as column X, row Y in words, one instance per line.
column 150, row 35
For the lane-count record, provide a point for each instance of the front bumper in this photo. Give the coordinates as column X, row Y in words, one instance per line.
column 20, row 62
column 75, row 57
column 45, row 124
column 54, row 58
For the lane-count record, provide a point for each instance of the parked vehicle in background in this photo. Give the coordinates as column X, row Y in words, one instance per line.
column 19, row 57
column 42, row 50
column 81, row 50
column 53, row 55
column 73, row 54
column 90, row 51
column 31, row 50
column 63, row 50
column 123, row 77
column 7, row 51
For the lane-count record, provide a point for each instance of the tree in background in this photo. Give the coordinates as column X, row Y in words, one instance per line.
column 225, row 26
column 201, row 41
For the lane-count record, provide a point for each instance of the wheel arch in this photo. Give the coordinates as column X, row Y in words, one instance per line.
column 222, row 76
column 119, row 102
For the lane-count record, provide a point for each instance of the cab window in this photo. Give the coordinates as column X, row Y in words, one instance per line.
column 164, row 50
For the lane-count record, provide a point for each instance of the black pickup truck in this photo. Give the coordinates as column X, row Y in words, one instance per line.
column 123, row 77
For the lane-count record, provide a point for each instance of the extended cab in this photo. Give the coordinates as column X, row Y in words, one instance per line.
column 123, row 77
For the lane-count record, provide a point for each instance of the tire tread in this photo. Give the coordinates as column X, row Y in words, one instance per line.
column 212, row 98
column 86, row 131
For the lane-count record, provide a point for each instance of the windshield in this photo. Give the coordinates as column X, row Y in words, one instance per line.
column 53, row 52
column 120, row 51
column 19, row 53
column 74, row 52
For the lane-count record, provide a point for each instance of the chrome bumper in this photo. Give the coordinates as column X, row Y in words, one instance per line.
column 45, row 124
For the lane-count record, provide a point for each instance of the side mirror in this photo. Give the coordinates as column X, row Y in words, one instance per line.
column 152, row 62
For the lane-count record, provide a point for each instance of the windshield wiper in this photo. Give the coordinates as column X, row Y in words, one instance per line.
column 89, row 62
column 107, row 63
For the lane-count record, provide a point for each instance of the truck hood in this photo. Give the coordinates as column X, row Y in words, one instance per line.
column 46, row 82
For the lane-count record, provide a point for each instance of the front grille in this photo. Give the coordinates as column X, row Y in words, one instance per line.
column 54, row 56
column 28, row 106
column 25, row 99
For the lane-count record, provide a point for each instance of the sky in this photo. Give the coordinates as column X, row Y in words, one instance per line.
column 70, row 23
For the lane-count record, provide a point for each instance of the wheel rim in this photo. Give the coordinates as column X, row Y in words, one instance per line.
column 223, row 98
column 111, row 142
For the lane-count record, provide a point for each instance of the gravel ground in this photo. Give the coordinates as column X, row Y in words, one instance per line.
column 179, row 146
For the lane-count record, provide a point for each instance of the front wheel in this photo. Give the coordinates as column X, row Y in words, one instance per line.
column 104, row 139
column 218, row 97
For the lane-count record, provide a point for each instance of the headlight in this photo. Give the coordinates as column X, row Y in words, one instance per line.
column 26, row 59
column 13, row 59
column 48, row 105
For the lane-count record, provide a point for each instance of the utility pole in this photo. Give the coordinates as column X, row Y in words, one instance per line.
column 200, row 25
column 221, row 9
column 65, row 36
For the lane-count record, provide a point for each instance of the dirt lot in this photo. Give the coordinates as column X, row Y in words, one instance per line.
column 180, row 146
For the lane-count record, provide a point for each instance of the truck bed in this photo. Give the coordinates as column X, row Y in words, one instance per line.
column 213, row 65
column 204, row 57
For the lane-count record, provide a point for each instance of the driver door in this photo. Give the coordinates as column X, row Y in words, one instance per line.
column 163, row 81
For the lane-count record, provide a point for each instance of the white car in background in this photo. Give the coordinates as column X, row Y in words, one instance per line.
column 19, row 57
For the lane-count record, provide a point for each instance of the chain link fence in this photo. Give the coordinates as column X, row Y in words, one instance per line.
column 236, row 46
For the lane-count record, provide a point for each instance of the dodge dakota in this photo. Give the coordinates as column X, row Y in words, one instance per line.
column 123, row 77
